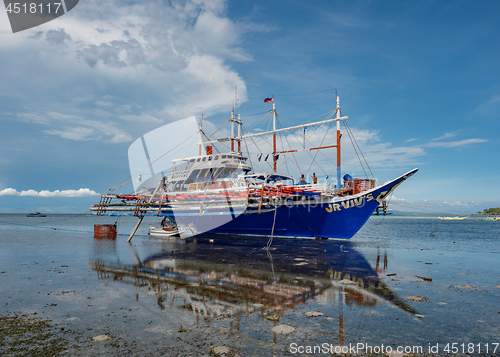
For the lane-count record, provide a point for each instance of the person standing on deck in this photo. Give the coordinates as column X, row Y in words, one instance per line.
column 302, row 179
column 314, row 178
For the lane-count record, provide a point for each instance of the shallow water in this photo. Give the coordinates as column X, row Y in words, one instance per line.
column 168, row 297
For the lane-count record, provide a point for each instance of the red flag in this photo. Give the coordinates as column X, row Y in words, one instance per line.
column 269, row 100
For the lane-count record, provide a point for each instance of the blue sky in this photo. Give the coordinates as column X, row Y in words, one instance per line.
column 418, row 80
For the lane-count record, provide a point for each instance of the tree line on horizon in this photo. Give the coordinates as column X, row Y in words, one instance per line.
column 491, row 211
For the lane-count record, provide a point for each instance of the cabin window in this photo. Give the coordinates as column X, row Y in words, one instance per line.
column 209, row 158
column 225, row 172
column 203, row 159
column 223, row 156
column 192, row 177
column 177, row 186
column 216, row 157
column 198, row 160
column 201, row 175
column 209, row 176
column 217, row 174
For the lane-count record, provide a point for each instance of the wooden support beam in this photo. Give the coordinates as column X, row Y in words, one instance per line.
column 135, row 228
column 261, row 197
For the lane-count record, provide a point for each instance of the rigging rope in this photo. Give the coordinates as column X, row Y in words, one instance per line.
column 321, row 144
column 354, row 142
column 311, row 133
column 354, row 147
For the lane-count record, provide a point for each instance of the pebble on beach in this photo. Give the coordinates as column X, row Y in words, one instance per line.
column 101, row 338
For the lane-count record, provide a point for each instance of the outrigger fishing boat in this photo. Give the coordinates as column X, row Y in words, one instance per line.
column 456, row 218
column 217, row 190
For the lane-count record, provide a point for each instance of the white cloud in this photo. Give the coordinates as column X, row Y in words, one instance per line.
column 168, row 59
column 491, row 107
column 139, row 118
column 74, row 127
column 459, row 143
column 447, row 135
column 213, row 93
column 82, row 192
column 79, row 133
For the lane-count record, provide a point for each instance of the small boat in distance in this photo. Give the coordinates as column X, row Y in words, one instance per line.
column 164, row 232
column 456, row 218
column 491, row 219
column 36, row 214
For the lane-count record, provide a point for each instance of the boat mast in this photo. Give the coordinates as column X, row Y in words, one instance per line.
column 339, row 185
column 232, row 130
column 233, row 117
column 239, row 133
column 274, row 135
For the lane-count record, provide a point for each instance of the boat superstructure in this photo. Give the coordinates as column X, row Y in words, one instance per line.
column 220, row 192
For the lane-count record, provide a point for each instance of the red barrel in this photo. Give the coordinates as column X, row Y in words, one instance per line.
column 104, row 231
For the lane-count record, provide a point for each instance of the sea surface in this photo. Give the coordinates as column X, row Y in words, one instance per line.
column 256, row 296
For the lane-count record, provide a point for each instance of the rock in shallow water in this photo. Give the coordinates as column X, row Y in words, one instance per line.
column 101, row 338
column 283, row 329
column 416, row 298
column 313, row 313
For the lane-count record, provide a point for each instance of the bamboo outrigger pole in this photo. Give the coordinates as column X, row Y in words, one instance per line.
column 135, row 228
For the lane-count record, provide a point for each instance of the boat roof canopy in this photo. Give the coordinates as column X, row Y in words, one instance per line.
column 269, row 177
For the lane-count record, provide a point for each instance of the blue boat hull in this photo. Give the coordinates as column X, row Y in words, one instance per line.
column 308, row 219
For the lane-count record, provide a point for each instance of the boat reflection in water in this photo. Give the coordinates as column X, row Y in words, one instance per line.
column 226, row 278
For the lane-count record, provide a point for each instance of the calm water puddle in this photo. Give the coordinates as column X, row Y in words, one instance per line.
column 162, row 297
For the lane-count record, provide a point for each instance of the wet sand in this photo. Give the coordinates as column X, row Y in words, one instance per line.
column 190, row 298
